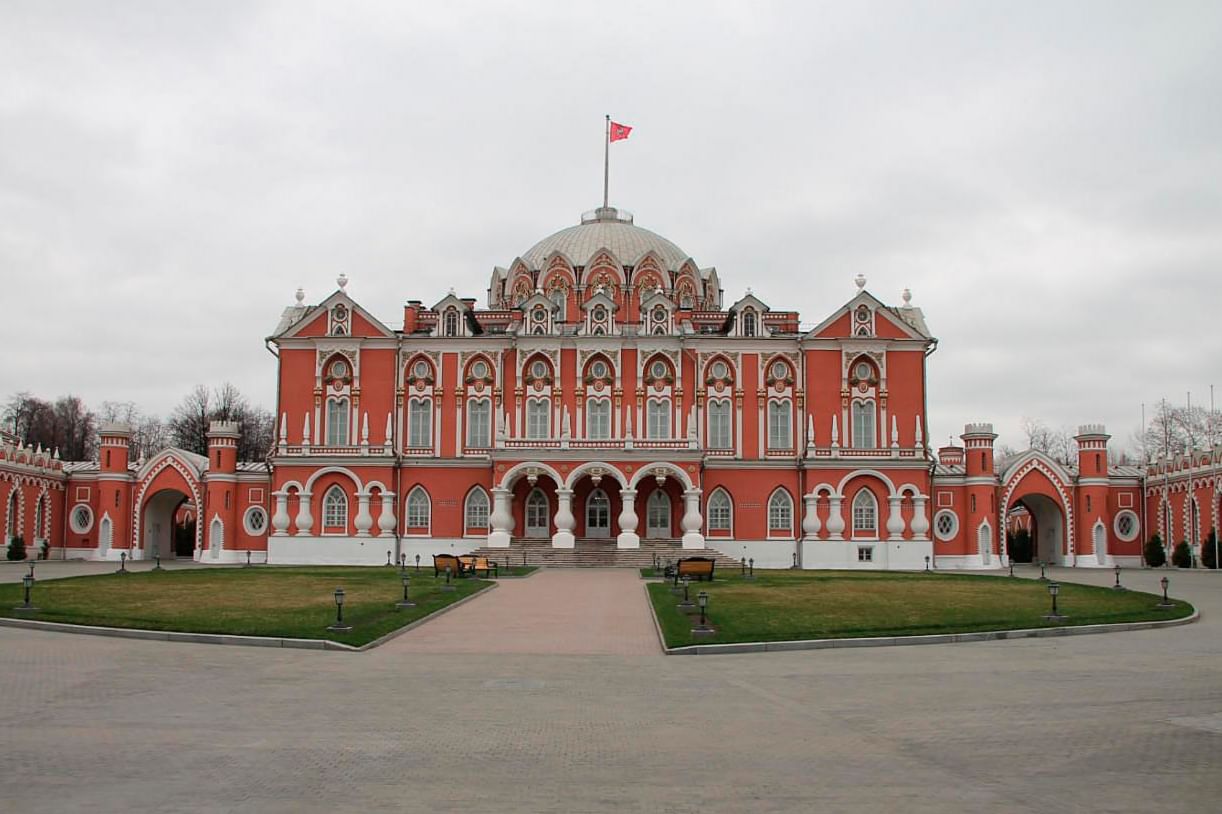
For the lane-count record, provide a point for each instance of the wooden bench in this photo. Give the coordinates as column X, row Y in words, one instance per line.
column 442, row 561
column 697, row 568
column 473, row 565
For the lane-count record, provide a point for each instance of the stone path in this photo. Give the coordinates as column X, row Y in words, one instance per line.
column 575, row 611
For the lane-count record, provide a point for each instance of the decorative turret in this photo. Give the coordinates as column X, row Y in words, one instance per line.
column 978, row 449
column 1092, row 450
column 223, row 447
column 115, row 446
column 950, row 455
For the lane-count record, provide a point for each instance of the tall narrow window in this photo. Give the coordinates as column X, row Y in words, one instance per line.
column 476, row 511
column 10, row 514
column 337, row 422
column 720, row 436
column 658, row 417
column 864, row 436
column 39, row 507
column 780, row 513
column 537, row 510
column 450, row 323
column 719, row 511
column 479, row 423
column 748, row 323
column 865, row 514
column 418, row 508
column 538, row 419
column 598, row 419
column 335, row 510
column 780, row 434
column 420, row 423
column 559, row 298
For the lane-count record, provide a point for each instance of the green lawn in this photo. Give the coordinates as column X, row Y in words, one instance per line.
column 785, row 605
column 279, row 602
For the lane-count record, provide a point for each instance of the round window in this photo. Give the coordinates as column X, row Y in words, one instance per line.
column 538, row 370
column 339, row 313
column 658, row 369
column 946, row 525
column 1126, row 526
column 863, row 371
column 779, row 370
column 421, row 369
column 479, row 370
column 600, row 314
column 255, row 521
column 81, row 519
column 863, row 314
column 659, row 314
column 599, row 369
column 339, row 369
column 720, row 370
column 540, row 314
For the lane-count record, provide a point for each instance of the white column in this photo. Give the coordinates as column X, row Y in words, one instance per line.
column 810, row 521
column 920, row 521
column 280, row 519
column 692, row 521
column 386, row 517
column 895, row 519
column 304, row 520
column 628, row 538
column 565, row 522
column 364, row 520
column 835, row 518
column 501, row 519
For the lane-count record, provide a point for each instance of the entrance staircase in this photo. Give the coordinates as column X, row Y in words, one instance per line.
column 599, row 554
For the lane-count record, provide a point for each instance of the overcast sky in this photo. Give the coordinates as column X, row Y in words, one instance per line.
column 1045, row 177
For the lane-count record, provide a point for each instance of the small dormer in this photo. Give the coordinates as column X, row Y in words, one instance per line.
column 657, row 314
column 749, row 317
column 451, row 316
column 599, row 313
column 538, row 315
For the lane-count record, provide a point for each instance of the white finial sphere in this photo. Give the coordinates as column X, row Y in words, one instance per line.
column 341, row 281
column 907, row 295
column 300, row 296
column 860, row 280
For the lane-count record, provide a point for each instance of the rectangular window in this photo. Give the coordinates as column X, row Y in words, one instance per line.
column 864, row 436
column 598, row 419
column 479, row 423
column 720, row 436
column 420, row 423
column 865, row 553
column 337, row 422
column 538, row 419
column 779, row 425
column 658, row 415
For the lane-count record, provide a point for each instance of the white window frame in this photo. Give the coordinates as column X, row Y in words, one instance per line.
column 81, row 528
column 954, row 525
column 780, row 500
column 720, row 424
column 780, row 424
column 479, row 422
column 1132, row 517
column 865, row 510
column 598, row 419
column 476, row 509
column 338, row 433
column 248, row 517
column 418, row 506
column 449, row 322
column 595, row 497
column 864, row 418
column 335, row 505
column 538, row 419
column 715, row 512
column 656, row 502
column 657, row 412
column 532, row 505
column 420, row 423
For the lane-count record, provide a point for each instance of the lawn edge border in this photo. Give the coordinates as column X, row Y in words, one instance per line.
column 901, row 641
column 226, row 638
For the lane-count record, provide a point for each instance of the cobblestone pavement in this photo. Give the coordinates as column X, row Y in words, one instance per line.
column 575, row 611
column 1110, row 723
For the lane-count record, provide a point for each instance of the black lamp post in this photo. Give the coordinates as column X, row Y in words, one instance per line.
column 157, row 562
column 406, row 603
column 795, row 560
column 686, row 604
column 402, row 562
column 1054, row 589
column 122, row 563
column 1166, row 603
column 1011, row 566
column 702, row 629
column 417, row 563
column 1043, row 578
column 388, row 558
column 248, row 558
column 750, row 569
column 28, row 582
column 1117, row 586
column 448, row 586
column 927, row 564
column 743, row 574
column 339, row 626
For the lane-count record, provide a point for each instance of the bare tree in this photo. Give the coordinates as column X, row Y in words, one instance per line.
column 188, row 426
column 22, row 415
column 1173, row 430
column 1057, row 444
column 149, row 433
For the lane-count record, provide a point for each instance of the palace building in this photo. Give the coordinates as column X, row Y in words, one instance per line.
column 605, row 398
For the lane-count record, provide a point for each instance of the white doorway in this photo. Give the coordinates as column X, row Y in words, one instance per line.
column 598, row 515
column 537, row 514
column 657, row 516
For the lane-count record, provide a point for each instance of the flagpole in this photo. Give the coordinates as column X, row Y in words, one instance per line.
column 607, row 162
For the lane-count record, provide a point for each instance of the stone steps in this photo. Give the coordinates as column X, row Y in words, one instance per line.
column 599, row 554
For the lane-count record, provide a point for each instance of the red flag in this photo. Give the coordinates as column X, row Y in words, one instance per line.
column 619, row 131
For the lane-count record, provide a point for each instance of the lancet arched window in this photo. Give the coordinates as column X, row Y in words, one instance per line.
column 865, row 513
column 780, row 514
column 418, row 508
column 335, row 510
column 720, row 512
column 475, row 513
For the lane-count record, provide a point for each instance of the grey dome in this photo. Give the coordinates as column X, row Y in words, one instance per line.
column 610, row 229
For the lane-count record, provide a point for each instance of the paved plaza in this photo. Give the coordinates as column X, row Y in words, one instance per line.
column 1118, row 722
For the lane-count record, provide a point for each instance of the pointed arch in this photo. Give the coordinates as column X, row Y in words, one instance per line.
column 418, row 511
column 476, row 509
column 984, row 541
column 1099, row 539
column 216, row 537
column 719, row 513
column 780, row 514
column 865, row 513
column 335, row 510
